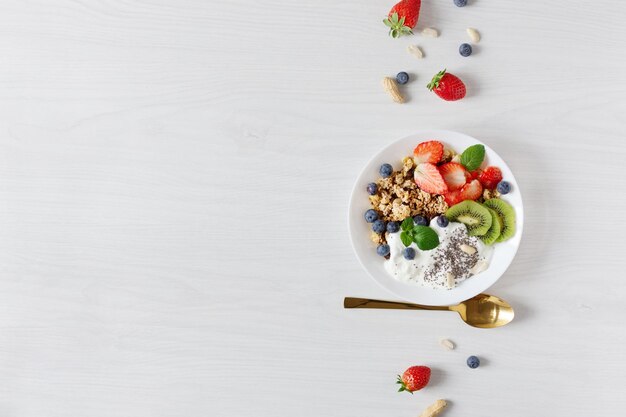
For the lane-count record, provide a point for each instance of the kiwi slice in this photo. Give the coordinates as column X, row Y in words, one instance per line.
column 476, row 217
column 492, row 234
column 507, row 214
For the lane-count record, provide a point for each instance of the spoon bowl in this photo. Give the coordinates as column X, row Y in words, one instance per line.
column 483, row 311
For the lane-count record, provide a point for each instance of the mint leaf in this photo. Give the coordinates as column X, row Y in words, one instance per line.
column 425, row 237
column 472, row 157
column 407, row 224
column 406, row 238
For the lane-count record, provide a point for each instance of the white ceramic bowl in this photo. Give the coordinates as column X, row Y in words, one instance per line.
column 365, row 249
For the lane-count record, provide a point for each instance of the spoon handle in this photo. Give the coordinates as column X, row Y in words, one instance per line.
column 351, row 302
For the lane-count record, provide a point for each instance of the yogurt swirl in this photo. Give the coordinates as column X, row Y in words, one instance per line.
column 444, row 267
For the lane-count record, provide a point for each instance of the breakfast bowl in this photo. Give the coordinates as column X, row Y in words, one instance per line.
column 498, row 256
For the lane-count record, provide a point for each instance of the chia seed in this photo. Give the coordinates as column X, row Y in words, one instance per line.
column 449, row 258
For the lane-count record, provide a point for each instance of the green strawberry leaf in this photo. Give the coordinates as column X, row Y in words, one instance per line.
column 424, row 237
column 407, row 224
column 434, row 83
column 406, row 238
column 396, row 26
column 472, row 157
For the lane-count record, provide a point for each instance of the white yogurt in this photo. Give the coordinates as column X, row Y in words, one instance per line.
column 444, row 267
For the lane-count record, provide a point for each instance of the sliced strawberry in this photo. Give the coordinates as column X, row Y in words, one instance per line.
column 452, row 197
column 428, row 178
column 430, row 152
column 490, row 177
column 454, row 175
column 471, row 191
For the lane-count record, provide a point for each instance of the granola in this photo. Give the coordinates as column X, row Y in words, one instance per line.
column 489, row 194
column 448, row 155
column 398, row 197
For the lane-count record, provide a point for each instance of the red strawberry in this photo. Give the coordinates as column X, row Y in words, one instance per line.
column 447, row 86
column 475, row 174
column 403, row 17
column 471, row 191
column 428, row 178
column 430, row 151
column 414, row 379
column 490, row 177
column 454, row 175
column 452, row 197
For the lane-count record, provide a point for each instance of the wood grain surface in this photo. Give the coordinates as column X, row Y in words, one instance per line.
column 174, row 179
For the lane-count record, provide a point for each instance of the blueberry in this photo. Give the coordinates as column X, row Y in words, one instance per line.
column 371, row 216
column 372, row 188
column 473, row 362
column 460, row 3
column 442, row 221
column 402, row 78
column 420, row 220
column 504, row 187
column 393, row 227
column 465, row 49
column 379, row 226
column 408, row 253
column 385, row 170
column 382, row 250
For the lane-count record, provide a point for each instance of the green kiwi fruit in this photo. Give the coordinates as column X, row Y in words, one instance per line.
column 493, row 233
column 507, row 214
column 476, row 217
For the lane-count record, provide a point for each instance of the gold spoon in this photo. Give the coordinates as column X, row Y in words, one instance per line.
column 484, row 311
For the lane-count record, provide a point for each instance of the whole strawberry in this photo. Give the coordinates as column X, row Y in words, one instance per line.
column 447, row 86
column 414, row 379
column 490, row 177
column 403, row 17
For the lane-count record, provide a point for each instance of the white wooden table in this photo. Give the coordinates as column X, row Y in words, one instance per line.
column 174, row 178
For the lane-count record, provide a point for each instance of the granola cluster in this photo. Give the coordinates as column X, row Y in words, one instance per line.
column 448, row 155
column 398, row 197
column 489, row 194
